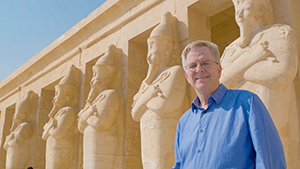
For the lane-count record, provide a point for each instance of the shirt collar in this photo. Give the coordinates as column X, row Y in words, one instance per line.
column 217, row 96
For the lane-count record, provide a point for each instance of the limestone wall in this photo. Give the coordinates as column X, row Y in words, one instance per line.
column 126, row 24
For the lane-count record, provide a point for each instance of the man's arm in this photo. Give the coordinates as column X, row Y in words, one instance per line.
column 176, row 149
column 265, row 138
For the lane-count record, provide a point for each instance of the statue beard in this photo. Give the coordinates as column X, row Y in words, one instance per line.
column 245, row 35
column 53, row 111
column 14, row 125
column 151, row 74
column 92, row 95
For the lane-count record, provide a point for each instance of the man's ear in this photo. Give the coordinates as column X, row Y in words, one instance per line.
column 219, row 70
column 186, row 76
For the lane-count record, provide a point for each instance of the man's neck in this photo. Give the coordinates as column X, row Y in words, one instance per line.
column 204, row 95
column 203, row 101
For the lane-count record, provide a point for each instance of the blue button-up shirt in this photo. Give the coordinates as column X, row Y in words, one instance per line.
column 235, row 131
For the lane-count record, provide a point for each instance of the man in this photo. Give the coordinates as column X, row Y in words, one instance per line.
column 158, row 104
column 223, row 128
column 264, row 60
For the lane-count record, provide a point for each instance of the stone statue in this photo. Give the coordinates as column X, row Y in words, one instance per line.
column 98, row 119
column 60, row 131
column 264, row 60
column 18, row 142
column 158, row 105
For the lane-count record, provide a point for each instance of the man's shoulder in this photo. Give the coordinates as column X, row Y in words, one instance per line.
column 240, row 94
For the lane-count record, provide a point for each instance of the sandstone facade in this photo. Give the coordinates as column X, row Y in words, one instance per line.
column 125, row 24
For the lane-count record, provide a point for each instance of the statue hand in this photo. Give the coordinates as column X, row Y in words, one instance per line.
column 263, row 50
column 135, row 98
column 158, row 91
column 81, row 124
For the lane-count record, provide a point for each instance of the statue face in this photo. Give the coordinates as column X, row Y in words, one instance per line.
column 246, row 14
column 60, row 98
column 248, row 17
column 99, row 74
column 18, row 118
column 98, row 81
column 156, row 50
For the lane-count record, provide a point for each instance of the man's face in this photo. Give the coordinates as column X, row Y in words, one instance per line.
column 205, row 78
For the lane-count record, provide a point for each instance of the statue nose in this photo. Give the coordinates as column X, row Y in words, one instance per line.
column 240, row 13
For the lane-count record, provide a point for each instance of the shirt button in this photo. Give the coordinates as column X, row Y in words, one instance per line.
column 199, row 151
column 201, row 131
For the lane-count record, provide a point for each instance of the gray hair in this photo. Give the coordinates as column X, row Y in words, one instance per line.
column 200, row 43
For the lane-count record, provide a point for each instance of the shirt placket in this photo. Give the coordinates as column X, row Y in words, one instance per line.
column 200, row 138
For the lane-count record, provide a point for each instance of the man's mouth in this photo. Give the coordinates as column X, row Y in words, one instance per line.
column 201, row 78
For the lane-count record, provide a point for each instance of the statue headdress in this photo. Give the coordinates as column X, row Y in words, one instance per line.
column 69, row 86
column 166, row 28
column 110, row 59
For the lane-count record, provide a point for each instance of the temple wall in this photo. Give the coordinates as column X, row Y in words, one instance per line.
column 126, row 24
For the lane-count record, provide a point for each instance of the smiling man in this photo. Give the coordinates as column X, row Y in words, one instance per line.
column 223, row 128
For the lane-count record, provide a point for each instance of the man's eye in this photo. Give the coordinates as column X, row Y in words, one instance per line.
column 193, row 65
column 205, row 63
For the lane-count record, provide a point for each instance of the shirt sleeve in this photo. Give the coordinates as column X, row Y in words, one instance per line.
column 265, row 137
column 176, row 149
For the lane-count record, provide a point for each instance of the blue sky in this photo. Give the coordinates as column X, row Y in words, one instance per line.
column 28, row 26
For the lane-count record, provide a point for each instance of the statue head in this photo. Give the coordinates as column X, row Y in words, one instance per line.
column 104, row 72
column 251, row 15
column 24, row 108
column 161, row 42
column 66, row 91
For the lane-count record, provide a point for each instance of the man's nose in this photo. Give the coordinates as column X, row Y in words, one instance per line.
column 199, row 67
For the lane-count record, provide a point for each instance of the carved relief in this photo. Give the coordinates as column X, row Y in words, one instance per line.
column 60, row 131
column 98, row 119
column 264, row 60
column 18, row 142
column 159, row 102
